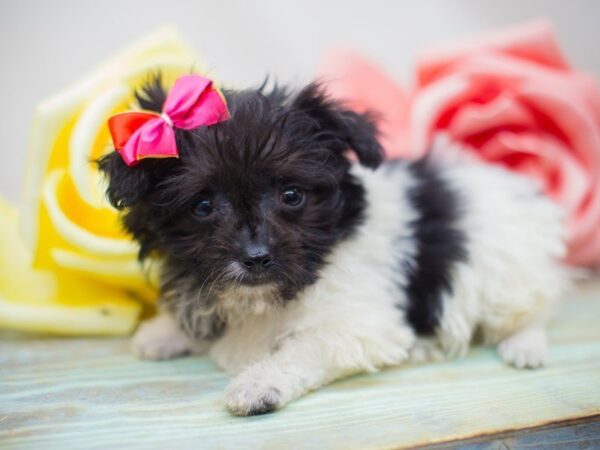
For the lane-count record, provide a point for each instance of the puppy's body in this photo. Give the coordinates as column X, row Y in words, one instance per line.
column 411, row 263
column 502, row 280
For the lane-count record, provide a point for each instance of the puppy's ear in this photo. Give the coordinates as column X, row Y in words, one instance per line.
column 342, row 128
column 126, row 185
column 130, row 185
column 129, row 190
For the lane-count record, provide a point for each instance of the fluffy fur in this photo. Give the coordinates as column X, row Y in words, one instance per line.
column 377, row 265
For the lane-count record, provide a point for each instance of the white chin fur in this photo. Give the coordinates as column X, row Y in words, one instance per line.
column 241, row 302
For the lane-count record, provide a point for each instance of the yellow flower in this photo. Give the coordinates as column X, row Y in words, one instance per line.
column 55, row 301
column 66, row 220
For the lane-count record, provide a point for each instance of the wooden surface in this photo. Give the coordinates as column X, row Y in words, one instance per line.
column 580, row 434
column 92, row 393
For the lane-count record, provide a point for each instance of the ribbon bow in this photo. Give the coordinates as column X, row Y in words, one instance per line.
column 192, row 103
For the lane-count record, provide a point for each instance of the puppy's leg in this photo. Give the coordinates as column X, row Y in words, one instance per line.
column 304, row 362
column 526, row 348
column 160, row 338
column 427, row 350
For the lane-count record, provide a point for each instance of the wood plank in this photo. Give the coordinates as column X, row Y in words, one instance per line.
column 92, row 393
column 582, row 434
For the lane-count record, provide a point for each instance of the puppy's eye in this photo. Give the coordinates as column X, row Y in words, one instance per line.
column 203, row 208
column 292, row 196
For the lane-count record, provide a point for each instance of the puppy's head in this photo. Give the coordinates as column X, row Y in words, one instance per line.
column 254, row 203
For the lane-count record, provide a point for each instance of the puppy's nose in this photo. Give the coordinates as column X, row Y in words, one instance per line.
column 257, row 257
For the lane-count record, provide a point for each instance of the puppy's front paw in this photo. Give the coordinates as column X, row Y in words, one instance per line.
column 255, row 391
column 251, row 399
column 160, row 338
column 525, row 349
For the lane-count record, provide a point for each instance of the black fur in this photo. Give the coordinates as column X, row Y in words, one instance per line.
column 152, row 95
column 440, row 246
column 272, row 140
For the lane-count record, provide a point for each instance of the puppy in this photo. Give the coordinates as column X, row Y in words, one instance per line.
column 295, row 256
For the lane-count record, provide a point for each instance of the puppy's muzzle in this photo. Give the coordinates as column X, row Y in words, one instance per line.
column 257, row 258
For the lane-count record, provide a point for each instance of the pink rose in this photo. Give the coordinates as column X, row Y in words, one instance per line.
column 512, row 99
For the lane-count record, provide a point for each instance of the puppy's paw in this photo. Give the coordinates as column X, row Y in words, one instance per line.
column 525, row 349
column 425, row 350
column 252, row 399
column 160, row 338
column 255, row 391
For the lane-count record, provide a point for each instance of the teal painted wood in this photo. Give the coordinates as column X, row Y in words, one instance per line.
column 91, row 393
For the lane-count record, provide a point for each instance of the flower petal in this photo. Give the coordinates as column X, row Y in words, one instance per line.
column 532, row 41
column 362, row 86
column 502, row 112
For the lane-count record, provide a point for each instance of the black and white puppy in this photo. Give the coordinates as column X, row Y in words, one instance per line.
column 293, row 266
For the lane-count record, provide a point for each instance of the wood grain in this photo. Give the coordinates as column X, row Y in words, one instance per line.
column 92, row 393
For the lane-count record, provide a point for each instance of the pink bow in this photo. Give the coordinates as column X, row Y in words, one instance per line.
column 192, row 103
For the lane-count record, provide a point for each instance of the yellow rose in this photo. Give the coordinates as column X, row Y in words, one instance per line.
column 55, row 301
column 66, row 220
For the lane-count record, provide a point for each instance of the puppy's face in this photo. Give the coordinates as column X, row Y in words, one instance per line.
column 252, row 203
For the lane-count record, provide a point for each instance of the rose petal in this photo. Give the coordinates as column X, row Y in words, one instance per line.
column 558, row 102
column 587, row 85
column 364, row 87
column 584, row 246
column 544, row 158
column 503, row 111
column 547, row 160
column 429, row 105
column 533, row 41
column 518, row 152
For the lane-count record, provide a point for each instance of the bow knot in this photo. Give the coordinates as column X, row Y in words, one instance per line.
column 164, row 116
column 192, row 103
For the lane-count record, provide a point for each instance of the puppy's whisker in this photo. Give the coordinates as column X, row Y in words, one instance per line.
column 216, row 280
column 201, row 289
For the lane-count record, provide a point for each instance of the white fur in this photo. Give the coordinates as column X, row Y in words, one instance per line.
column 515, row 242
column 160, row 338
column 238, row 303
column 525, row 348
column 349, row 320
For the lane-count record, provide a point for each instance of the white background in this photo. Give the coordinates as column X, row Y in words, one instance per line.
column 45, row 45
